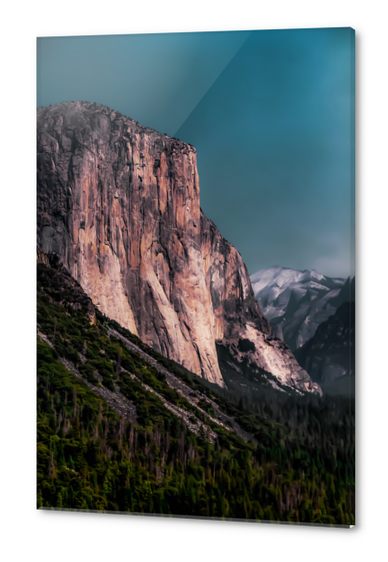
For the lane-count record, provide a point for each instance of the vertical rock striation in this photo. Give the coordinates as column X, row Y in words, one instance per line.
column 119, row 203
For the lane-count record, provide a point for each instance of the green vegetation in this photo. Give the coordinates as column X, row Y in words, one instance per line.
column 299, row 469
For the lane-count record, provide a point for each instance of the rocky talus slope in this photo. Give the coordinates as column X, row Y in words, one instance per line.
column 119, row 204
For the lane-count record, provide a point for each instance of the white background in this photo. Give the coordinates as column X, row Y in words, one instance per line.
column 28, row 534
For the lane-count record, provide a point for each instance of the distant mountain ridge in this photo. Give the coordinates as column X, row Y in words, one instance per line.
column 329, row 355
column 297, row 302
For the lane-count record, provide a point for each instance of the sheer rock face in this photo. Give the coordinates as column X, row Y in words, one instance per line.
column 119, row 203
column 238, row 317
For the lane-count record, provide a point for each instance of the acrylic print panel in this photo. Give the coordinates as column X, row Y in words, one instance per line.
column 195, row 266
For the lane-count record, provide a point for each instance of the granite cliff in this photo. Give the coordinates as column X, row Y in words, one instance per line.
column 119, row 205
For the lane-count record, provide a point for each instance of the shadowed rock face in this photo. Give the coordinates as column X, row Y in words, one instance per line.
column 330, row 353
column 119, row 203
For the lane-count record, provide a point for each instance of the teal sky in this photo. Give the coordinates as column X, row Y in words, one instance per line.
column 271, row 114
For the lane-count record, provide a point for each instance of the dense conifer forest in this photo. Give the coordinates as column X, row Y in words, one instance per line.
column 296, row 465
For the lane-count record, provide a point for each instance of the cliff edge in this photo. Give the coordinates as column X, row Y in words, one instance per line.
column 119, row 204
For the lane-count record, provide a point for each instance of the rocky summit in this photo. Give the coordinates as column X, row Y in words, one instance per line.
column 119, row 204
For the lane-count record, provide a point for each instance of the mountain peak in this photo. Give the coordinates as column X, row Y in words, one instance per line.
column 120, row 204
column 296, row 302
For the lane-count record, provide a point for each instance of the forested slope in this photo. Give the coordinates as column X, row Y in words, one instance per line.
column 118, row 432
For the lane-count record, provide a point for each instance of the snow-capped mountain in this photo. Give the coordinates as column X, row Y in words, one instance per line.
column 296, row 302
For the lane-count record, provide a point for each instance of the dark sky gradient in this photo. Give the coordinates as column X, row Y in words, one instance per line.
column 271, row 114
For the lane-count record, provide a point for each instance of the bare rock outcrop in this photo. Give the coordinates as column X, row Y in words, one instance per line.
column 119, row 203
